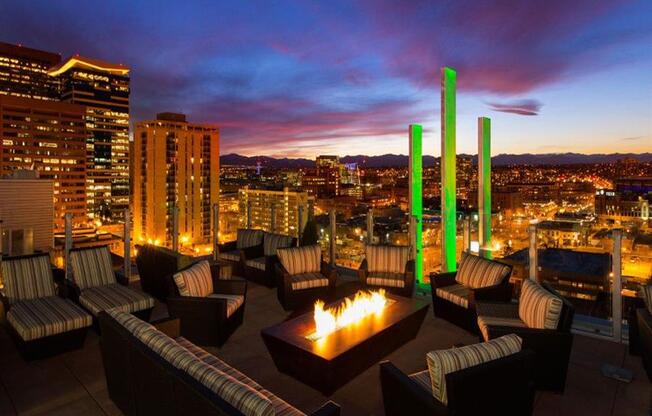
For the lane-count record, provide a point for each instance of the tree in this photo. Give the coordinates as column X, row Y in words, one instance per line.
column 310, row 234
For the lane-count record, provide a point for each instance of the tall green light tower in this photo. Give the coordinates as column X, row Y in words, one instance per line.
column 448, row 171
column 416, row 199
column 484, row 185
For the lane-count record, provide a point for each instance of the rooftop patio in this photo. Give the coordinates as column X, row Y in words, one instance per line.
column 73, row 383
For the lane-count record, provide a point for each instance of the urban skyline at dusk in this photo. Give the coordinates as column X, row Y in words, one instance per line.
column 336, row 78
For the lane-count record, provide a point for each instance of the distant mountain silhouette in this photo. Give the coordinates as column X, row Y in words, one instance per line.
column 390, row 160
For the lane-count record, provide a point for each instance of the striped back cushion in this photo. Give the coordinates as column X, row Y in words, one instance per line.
column 647, row 297
column 92, row 267
column 195, row 280
column 389, row 259
column 27, row 278
column 476, row 272
column 272, row 242
column 248, row 238
column 443, row 362
column 130, row 322
column 537, row 307
column 298, row 260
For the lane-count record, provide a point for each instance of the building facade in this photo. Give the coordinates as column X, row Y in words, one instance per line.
column 24, row 72
column 176, row 165
column 27, row 214
column 286, row 209
column 48, row 137
column 628, row 201
column 103, row 88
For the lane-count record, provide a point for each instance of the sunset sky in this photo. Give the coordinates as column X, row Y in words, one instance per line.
column 301, row 78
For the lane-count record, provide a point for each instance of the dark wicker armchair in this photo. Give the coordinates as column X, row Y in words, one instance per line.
column 262, row 269
column 41, row 322
column 248, row 245
column 209, row 320
column 155, row 266
column 388, row 267
column 499, row 387
column 552, row 346
column 454, row 295
column 300, row 286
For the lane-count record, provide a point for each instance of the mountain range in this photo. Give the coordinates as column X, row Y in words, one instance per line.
column 392, row 160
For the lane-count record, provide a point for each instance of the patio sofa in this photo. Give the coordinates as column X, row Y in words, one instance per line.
column 261, row 269
column 156, row 372
column 543, row 319
column 155, row 266
column 454, row 295
column 41, row 322
column 209, row 308
column 97, row 287
column 302, row 276
column 491, row 378
column 388, row 267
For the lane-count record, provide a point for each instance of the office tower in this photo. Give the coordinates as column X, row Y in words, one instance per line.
column 50, row 138
column 24, row 72
column 176, row 165
column 104, row 89
column 286, row 203
column 27, row 214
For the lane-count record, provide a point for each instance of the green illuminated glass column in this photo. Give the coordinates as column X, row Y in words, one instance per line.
column 416, row 199
column 484, row 185
column 448, row 171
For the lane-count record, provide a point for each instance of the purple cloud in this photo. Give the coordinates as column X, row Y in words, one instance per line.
column 521, row 107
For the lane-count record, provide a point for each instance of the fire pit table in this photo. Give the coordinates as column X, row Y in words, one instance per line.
column 329, row 362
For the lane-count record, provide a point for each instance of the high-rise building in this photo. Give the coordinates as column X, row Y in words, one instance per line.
column 50, row 138
column 24, row 72
column 103, row 88
column 176, row 165
column 286, row 209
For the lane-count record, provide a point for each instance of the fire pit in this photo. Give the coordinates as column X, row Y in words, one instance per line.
column 327, row 347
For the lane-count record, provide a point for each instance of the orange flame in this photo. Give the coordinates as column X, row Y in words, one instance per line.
column 348, row 312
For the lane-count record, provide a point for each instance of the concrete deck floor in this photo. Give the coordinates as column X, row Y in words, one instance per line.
column 73, row 383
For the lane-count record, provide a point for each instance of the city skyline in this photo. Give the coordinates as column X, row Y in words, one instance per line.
column 313, row 79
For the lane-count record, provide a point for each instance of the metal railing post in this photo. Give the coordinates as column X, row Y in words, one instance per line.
column 370, row 226
column 216, row 231
column 127, row 244
column 333, row 226
column 533, row 257
column 67, row 243
column 311, row 209
column 616, row 294
column 466, row 234
column 299, row 223
column 175, row 229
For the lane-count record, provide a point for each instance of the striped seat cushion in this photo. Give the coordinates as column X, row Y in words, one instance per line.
column 390, row 259
column 92, row 267
column 299, row 260
column 281, row 407
column 457, row 293
column 230, row 255
column 444, row 362
column 195, row 281
column 497, row 314
column 249, row 238
column 42, row 317
column 308, row 281
column 233, row 302
column 537, row 307
column 272, row 242
column 131, row 323
column 102, row 298
column 258, row 263
column 476, row 272
column 27, row 278
column 386, row 279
